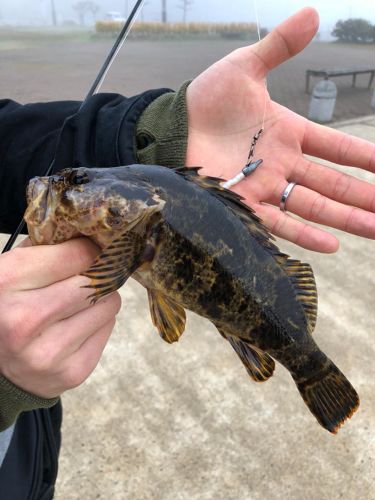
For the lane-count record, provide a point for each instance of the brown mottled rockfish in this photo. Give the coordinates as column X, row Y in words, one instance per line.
column 194, row 245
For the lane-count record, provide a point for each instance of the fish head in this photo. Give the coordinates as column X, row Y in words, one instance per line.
column 90, row 202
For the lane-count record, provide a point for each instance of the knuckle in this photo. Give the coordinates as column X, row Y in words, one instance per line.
column 341, row 187
column 41, row 361
column 18, row 326
column 317, row 207
column 278, row 225
column 116, row 302
column 84, row 251
column 344, row 148
column 371, row 163
column 350, row 220
column 300, row 235
column 9, row 264
column 111, row 304
column 74, row 376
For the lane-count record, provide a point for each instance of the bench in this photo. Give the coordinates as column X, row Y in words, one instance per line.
column 331, row 73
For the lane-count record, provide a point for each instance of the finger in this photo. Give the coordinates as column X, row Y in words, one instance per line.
column 336, row 185
column 284, row 226
column 39, row 266
column 66, row 337
column 286, row 40
column 315, row 207
column 338, row 147
column 83, row 362
column 60, row 301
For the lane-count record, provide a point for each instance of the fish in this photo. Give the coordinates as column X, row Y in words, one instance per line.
column 195, row 245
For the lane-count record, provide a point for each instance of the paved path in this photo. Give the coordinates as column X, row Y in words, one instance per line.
column 48, row 69
column 159, row 422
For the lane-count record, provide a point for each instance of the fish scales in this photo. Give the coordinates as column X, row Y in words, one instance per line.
column 194, row 245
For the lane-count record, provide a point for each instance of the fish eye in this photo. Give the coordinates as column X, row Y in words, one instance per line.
column 78, row 178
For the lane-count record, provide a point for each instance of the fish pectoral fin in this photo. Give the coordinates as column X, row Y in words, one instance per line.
column 115, row 265
column 168, row 316
column 259, row 365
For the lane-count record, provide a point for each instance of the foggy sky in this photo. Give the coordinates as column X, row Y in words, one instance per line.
column 271, row 12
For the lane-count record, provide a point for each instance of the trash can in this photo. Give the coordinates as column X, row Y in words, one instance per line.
column 323, row 100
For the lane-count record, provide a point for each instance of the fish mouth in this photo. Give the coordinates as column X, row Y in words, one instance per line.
column 38, row 215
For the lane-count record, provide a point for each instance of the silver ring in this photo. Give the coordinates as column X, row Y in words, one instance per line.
column 285, row 195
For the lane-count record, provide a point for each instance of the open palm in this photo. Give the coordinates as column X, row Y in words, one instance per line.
column 226, row 106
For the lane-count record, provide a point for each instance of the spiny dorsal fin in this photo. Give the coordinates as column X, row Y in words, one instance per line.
column 234, row 202
column 300, row 274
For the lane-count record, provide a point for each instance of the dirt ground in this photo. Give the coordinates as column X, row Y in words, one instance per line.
column 63, row 67
column 183, row 422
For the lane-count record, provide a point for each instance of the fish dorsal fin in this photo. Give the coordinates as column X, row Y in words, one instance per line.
column 299, row 273
column 302, row 277
column 234, row 202
column 168, row 316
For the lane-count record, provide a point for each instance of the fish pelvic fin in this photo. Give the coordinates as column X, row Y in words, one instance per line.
column 167, row 316
column 330, row 397
column 259, row 365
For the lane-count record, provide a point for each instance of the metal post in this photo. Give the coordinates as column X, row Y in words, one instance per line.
column 53, row 12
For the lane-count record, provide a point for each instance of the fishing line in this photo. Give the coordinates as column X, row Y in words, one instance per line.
column 93, row 90
column 251, row 165
column 255, row 4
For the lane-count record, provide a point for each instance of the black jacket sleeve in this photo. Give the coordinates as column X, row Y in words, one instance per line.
column 100, row 134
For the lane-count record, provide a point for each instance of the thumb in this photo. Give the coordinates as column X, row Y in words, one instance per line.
column 286, row 40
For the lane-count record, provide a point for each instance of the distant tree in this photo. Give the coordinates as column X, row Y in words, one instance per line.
column 354, row 31
column 163, row 11
column 185, row 5
column 83, row 8
column 93, row 8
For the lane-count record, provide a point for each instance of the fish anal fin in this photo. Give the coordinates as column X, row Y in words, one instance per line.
column 259, row 365
column 115, row 265
column 167, row 316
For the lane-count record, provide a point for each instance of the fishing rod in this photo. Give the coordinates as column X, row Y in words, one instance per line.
column 93, row 90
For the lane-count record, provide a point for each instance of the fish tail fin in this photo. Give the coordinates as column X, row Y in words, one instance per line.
column 330, row 397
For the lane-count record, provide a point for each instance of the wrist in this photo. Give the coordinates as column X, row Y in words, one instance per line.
column 14, row 400
column 162, row 130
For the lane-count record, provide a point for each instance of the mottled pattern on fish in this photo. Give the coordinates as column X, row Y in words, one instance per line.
column 195, row 246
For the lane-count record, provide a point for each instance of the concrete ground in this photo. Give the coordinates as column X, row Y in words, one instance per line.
column 160, row 422
column 48, row 68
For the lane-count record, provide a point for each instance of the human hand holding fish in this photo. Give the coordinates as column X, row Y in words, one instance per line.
column 56, row 349
column 226, row 107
